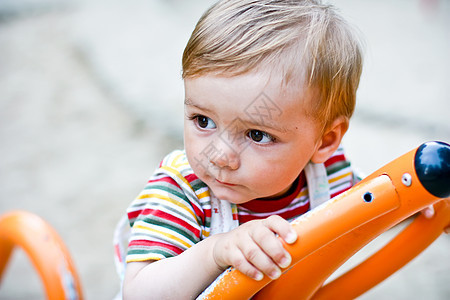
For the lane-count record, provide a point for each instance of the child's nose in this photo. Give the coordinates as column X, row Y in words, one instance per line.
column 226, row 157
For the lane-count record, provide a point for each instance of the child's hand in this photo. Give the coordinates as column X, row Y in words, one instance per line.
column 254, row 248
column 428, row 212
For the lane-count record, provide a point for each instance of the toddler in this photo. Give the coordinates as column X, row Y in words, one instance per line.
column 270, row 87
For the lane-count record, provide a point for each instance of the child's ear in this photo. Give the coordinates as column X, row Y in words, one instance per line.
column 330, row 140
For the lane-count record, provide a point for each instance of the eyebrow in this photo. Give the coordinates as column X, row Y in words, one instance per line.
column 251, row 122
column 265, row 126
column 189, row 102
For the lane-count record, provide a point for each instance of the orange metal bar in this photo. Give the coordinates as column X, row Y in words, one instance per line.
column 45, row 249
column 334, row 232
column 314, row 270
column 405, row 246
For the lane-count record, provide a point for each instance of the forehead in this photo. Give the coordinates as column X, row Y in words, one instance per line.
column 258, row 89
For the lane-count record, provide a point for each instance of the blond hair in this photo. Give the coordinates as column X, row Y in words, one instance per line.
column 309, row 42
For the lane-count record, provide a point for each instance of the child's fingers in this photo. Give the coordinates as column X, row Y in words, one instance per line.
column 254, row 248
column 281, row 227
column 447, row 229
column 272, row 246
column 238, row 249
column 228, row 251
column 428, row 212
column 265, row 237
column 241, row 262
column 259, row 259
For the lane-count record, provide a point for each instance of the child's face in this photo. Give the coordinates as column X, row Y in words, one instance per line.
column 245, row 136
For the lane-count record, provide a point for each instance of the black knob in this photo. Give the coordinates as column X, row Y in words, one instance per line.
column 432, row 163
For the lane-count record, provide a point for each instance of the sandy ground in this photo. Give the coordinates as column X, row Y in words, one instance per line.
column 86, row 87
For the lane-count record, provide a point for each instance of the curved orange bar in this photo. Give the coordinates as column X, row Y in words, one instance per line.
column 335, row 231
column 326, row 260
column 46, row 250
column 405, row 246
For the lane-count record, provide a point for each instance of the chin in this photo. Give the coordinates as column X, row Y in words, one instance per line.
column 229, row 196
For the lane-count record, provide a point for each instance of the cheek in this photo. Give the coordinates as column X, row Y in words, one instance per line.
column 280, row 171
column 191, row 141
column 192, row 151
column 190, row 145
column 195, row 148
column 272, row 172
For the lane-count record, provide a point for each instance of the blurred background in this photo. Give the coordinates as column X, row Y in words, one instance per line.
column 91, row 100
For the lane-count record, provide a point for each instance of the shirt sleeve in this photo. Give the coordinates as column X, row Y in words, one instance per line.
column 163, row 221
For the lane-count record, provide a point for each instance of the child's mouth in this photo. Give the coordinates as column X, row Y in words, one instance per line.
column 224, row 183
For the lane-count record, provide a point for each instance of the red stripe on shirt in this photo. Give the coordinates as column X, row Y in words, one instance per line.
column 198, row 211
column 134, row 214
column 163, row 215
column 334, row 159
column 191, row 177
column 146, row 243
column 165, row 179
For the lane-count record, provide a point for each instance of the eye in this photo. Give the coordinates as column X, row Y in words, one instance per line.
column 260, row 136
column 204, row 122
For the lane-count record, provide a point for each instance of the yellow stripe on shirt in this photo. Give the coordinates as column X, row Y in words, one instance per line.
column 331, row 180
column 165, row 234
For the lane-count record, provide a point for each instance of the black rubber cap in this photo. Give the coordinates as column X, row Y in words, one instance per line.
column 432, row 163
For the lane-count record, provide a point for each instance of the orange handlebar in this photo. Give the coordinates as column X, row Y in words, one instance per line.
column 405, row 246
column 46, row 251
column 335, row 231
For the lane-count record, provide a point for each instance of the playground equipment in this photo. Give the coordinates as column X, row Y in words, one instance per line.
column 333, row 232
column 46, row 251
column 329, row 235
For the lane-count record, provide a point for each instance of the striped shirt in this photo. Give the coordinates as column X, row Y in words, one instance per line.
column 173, row 212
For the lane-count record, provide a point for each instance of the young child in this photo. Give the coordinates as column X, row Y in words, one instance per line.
column 270, row 87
